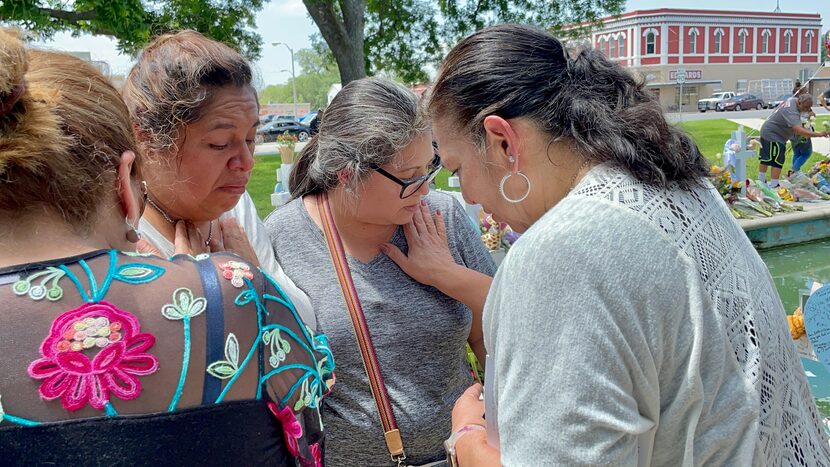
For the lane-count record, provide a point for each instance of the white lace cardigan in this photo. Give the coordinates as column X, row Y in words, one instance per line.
column 632, row 325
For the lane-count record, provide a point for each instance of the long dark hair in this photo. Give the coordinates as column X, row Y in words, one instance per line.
column 602, row 110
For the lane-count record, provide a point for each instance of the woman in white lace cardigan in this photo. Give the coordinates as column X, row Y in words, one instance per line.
column 633, row 323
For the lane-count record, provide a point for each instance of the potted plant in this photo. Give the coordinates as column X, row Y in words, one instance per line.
column 286, row 142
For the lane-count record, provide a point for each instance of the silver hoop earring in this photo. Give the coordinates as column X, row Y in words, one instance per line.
column 504, row 195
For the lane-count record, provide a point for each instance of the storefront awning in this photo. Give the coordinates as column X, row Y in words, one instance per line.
column 672, row 84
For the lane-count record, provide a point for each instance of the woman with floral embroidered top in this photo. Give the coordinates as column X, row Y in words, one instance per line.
column 111, row 357
column 195, row 112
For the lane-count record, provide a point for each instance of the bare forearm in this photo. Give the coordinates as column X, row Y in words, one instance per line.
column 466, row 285
column 801, row 131
column 472, row 450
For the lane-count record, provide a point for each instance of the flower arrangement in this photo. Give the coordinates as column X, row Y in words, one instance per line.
column 759, row 200
column 496, row 235
column 722, row 180
column 287, row 140
column 286, row 143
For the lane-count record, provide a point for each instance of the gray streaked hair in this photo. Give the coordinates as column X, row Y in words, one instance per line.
column 367, row 124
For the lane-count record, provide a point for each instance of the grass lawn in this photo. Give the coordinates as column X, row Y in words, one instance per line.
column 708, row 134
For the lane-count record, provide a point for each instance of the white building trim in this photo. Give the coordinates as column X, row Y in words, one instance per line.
column 788, row 41
column 798, row 43
column 809, row 35
column 706, row 44
column 742, row 33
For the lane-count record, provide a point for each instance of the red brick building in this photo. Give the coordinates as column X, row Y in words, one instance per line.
column 719, row 49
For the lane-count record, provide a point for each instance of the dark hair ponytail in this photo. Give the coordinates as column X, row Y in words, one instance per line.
column 301, row 183
column 611, row 116
column 600, row 108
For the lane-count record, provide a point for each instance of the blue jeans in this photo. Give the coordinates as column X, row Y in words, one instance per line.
column 802, row 152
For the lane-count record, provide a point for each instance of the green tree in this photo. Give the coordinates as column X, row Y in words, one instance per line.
column 317, row 73
column 404, row 36
column 133, row 22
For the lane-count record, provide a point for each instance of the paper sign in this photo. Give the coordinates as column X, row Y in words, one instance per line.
column 817, row 323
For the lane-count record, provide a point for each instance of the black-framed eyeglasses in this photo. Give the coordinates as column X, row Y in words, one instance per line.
column 411, row 186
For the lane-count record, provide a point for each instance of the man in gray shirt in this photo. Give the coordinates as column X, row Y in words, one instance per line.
column 823, row 98
column 782, row 125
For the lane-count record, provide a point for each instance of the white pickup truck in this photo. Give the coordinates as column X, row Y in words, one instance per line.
column 711, row 103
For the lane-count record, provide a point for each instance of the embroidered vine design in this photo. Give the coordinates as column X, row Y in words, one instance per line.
column 184, row 308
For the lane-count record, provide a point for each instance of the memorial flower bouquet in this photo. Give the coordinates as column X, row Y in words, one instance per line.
column 286, row 140
column 496, row 235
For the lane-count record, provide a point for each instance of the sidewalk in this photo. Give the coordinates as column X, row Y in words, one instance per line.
column 820, row 145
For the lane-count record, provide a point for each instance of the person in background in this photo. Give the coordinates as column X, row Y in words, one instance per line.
column 618, row 331
column 781, row 126
column 109, row 357
column 803, row 145
column 375, row 177
column 195, row 114
column 824, row 99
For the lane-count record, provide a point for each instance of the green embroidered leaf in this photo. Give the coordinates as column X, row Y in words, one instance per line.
column 232, row 350
column 184, row 305
column 299, row 405
column 245, row 297
column 221, row 369
column 21, row 287
column 136, row 254
column 135, row 273
column 172, row 312
column 286, row 347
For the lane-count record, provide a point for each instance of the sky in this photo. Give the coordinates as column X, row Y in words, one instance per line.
column 287, row 21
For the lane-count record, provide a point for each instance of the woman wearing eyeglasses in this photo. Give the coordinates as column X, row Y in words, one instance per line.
column 364, row 180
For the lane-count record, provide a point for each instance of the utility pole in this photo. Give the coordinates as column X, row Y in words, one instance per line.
column 293, row 76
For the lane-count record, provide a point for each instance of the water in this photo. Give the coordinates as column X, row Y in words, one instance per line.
column 792, row 266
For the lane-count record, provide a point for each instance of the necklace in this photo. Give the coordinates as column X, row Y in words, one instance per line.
column 170, row 219
column 585, row 164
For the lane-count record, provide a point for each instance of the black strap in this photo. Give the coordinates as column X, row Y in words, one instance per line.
column 214, row 340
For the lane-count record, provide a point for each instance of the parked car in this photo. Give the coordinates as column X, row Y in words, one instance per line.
column 271, row 117
column 312, row 121
column 778, row 100
column 711, row 102
column 742, row 102
column 269, row 132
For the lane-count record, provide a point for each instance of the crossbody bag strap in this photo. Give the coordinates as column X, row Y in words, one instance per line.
column 361, row 331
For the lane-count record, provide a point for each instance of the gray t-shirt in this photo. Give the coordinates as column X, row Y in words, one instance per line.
column 778, row 127
column 419, row 335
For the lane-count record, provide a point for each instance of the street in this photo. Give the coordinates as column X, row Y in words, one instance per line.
column 694, row 115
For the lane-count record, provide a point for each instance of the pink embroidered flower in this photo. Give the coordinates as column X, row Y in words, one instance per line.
column 235, row 271
column 291, row 428
column 91, row 352
column 316, row 454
